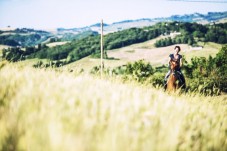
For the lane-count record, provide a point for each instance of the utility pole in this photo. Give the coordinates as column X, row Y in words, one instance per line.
column 102, row 63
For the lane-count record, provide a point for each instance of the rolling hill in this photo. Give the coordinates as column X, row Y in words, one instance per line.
column 30, row 37
column 23, row 37
column 26, row 37
column 144, row 22
column 169, row 32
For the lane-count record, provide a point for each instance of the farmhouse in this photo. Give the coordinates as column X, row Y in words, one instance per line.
column 196, row 47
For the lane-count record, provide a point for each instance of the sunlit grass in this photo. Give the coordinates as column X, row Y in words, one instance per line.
column 43, row 109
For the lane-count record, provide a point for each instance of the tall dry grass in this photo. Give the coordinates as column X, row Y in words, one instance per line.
column 48, row 110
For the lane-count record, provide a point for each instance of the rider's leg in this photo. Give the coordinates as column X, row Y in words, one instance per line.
column 166, row 78
column 182, row 79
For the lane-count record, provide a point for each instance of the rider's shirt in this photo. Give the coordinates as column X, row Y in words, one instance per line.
column 176, row 59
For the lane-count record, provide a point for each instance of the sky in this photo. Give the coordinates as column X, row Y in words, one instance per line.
column 46, row 14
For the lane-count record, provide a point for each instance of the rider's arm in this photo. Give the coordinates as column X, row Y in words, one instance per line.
column 181, row 62
column 169, row 61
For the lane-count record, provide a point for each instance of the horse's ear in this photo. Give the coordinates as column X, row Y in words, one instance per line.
column 172, row 61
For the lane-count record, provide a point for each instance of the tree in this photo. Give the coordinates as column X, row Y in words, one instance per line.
column 222, row 39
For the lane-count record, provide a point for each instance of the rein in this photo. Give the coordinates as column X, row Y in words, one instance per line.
column 176, row 74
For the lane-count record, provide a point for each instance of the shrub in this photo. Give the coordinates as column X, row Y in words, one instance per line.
column 139, row 70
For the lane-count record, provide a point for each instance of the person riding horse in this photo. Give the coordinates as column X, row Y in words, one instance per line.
column 176, row 57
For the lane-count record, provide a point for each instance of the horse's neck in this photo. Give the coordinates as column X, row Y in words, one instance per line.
column 172, row 78
column 171, row 82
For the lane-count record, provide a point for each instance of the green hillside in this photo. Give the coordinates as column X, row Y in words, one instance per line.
column 190, row 33
column 23, row 37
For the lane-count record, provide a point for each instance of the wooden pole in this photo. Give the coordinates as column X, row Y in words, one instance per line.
column 102, row 64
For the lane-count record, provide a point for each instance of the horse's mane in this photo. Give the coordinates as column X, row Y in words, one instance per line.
column 173, row 64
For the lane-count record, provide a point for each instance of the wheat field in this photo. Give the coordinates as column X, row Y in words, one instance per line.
column 45, row 109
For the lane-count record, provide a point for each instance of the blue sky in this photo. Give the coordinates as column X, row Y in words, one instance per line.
column 42, row 14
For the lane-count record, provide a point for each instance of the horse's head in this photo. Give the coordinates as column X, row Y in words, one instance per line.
column 173, row 65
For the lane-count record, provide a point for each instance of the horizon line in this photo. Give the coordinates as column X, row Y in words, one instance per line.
column 115, row 22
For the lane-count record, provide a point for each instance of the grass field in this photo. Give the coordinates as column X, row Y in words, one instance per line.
column 44, row 109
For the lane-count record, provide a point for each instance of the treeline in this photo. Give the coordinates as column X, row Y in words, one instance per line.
column 179, row 40
column 128, row 37
column 72, row 36
column 193, row 33
column 14, row 54
column 23, row 40
column 24, row 37
column 8, row 40
column 24, row 31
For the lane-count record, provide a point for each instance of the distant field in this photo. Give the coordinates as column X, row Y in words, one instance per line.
column 224, row 20
column 53, row 44
column 12, row 33
column 158, row 56
column 7, row 29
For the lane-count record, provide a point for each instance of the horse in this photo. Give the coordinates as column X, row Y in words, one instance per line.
column 173, row 82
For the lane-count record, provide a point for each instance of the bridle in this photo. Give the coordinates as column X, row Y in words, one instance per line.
column 173, row 70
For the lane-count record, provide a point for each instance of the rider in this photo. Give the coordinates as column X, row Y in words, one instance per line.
column 177, row 58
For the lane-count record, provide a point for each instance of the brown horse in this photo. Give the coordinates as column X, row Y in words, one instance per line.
column 173, row 81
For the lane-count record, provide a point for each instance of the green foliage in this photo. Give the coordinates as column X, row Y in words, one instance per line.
column 139, row 70
column 157, row 79
column 128, row 37
column 13, row 54
column 203, row 85
column 221, row 60
column 221, row 68
column 17, row 53
column 52, row 64
column 208, row 76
